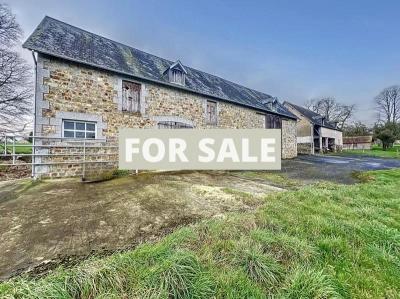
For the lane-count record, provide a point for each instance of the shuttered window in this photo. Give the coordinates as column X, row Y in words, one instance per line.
column 273, row 121
column 130, row 96
column 178, row 77
column 211, row 112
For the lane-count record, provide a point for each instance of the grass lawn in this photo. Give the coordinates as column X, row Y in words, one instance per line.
column 376, row 151
column 20, row 148
column 323, row 241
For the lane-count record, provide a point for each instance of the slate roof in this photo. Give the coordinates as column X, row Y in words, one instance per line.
column 56, row 38
column 315, row 118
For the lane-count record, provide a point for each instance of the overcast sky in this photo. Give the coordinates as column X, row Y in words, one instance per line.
column 295, row 50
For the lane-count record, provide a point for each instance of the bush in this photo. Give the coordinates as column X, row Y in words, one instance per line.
column 387, row 134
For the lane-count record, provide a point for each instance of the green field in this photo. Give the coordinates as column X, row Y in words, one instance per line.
column 20, row 148
column 322, row 241
column 376, row 151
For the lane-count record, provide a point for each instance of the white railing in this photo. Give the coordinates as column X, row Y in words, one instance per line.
column 55, row 151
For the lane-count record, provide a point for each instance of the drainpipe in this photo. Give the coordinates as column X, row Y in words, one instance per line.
column 34, row 118
column 312, row 139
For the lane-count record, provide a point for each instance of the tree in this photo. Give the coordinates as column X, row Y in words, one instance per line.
column 356, row 129
column 387, row 133
column 388, row 104
column 15, row 74
column 333, row 111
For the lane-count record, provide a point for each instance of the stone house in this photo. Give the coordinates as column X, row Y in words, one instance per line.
column 315, row 134
column 88, row 86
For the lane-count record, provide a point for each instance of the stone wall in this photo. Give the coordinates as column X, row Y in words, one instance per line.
column 163, row 102
column 305, row 148
column 71, row 91
column 289, row 144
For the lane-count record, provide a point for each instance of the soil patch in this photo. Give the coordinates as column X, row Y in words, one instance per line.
column 63, row 221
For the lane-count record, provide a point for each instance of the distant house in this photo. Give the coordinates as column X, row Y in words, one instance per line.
column 357, row 142
column 315, row 134
column 88, row 86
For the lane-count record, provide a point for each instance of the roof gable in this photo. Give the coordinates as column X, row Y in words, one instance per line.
column 56, row 38
column 177, row 65
column 314, row 118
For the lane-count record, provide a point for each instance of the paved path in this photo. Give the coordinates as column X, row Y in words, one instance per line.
column 334, row 168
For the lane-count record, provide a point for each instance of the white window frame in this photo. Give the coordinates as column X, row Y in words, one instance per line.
column 75, row 130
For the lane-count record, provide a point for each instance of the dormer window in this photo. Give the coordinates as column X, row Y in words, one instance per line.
column 176, row 73
column 272, row 106
column 177, row 77
column 270, row 103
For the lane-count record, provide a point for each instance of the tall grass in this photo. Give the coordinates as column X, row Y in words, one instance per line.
column 325, row 241
column 306, row 282
column 375, row 151
column 259, row 267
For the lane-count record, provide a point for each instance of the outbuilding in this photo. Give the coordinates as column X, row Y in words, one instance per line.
column 315, row 133
column 357, row 142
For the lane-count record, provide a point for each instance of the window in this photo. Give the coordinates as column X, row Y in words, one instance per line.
column 273, row 121
column 130, row 96
column 211, row 113
column 79, row 129
column 173, row 125
column 272, row 106
column 176, row 73
column 178, row 77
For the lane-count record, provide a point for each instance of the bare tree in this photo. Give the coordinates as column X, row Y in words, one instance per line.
column 15, row 74
column 10, row 31
column 356, row 128
column 333, row 111
column 388, row 104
